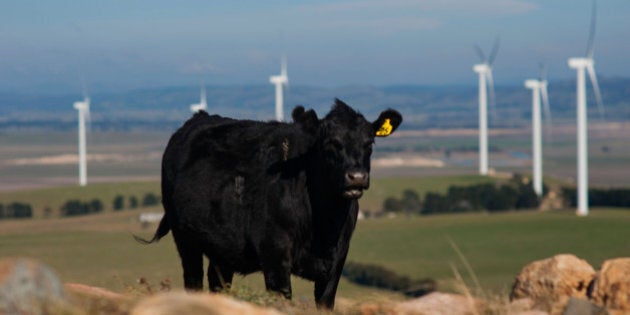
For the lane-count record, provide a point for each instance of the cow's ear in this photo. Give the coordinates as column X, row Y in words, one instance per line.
column 387, row 123
column 306, row 119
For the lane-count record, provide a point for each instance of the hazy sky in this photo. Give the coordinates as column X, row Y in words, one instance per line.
column 123, row 44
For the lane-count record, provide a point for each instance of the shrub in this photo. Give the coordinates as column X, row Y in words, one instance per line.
column 16, row 210
column 133, row 202
column 380, row 277
column 392, row 204
column 150, row 199
column 600, row 197
column 96, row 205
column 119, row 203
column 77, row 207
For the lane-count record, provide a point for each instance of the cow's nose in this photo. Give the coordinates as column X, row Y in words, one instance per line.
column 356, row 178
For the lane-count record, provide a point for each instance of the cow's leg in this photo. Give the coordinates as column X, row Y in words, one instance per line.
column 192, row 263
column 326, row 287
column 325, row 291
column 276, row 267
column 219, row 277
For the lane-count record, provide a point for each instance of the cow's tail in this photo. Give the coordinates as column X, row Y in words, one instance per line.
column 162, row 230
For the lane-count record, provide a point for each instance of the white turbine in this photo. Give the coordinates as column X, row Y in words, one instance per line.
column 486, row 84
column 581, row 65
column 83, row 109
column 202, row 105
column 539, row 92
column 280, row 81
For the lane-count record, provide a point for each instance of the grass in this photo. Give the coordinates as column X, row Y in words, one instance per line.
column 497, row 246
column 381, row 188
column 54, row 198
column 100, row 250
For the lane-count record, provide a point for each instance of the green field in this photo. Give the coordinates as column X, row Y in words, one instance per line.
column 100, row 250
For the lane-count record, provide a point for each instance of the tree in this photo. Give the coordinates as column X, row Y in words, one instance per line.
column 435, row 203
column 133, row 202
column 411, row 201
column 119, row 203
column 150, row 199
column 95, row 206
column 392, row 204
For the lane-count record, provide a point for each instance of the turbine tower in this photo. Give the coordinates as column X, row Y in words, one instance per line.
column 83, row 109
column 582, row 65
column 539, row 92
column 486, row 84
column 280, row 81
column 202, row 105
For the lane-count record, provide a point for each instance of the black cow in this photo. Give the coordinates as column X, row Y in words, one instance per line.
column 280, row 198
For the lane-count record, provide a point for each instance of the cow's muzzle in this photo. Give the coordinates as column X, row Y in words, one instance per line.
column 355, row 182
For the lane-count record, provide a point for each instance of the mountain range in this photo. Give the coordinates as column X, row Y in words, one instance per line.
column 422, row 106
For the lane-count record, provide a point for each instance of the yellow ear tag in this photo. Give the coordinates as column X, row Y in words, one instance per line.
column 385, row 129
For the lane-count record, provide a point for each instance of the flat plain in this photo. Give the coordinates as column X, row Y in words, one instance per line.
column 40, row 169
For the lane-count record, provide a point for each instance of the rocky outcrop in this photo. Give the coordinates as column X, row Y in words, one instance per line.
column 565, row 284
column 175, row 303
column 551, row 282
column 29, row 287
column 438, row 303
column 612, row 286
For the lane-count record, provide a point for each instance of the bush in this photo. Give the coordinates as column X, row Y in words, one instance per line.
column 380, row 277
column 16, row 210
column 600, row 197
column 392, row 205
column 119, row 203
column 77, row 207
column 150, row 199
column 96, row 206
column 133, row 202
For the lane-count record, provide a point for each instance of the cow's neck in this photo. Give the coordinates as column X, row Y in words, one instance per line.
column 334, row 216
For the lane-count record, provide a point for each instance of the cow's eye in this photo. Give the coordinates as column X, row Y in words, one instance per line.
column 335, row 145
column 369, row 145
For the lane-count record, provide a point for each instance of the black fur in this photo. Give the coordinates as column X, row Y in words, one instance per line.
column 280, row 198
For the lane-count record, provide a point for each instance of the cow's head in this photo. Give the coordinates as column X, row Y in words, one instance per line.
column 344, row 144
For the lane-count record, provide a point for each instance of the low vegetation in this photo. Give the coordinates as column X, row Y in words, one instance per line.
column 99, row 249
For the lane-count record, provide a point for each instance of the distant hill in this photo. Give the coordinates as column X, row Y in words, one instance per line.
column 422, row 106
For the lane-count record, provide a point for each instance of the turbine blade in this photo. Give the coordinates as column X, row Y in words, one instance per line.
column 88, row 118
column 543, row 71
column 545, row 101
column 491, row 94
column 598, row 95
column 480, row 53
column 283, row 70
column 495, row 50
column 591, row 34
column 203, row 95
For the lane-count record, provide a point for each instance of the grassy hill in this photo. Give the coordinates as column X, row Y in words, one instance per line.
column 100, row 250
column 381, row 188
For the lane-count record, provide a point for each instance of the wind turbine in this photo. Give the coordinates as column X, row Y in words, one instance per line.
column 486, row 84
column 279, row 81
column 539, row 92
column 83, row 108
column 202, row 105
column 581, row 65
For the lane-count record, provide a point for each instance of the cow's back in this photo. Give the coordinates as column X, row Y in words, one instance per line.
column 226, row 178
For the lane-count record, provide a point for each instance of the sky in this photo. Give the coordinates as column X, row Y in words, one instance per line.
column 117, row 45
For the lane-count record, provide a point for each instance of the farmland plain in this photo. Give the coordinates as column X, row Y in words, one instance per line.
column 40, row 168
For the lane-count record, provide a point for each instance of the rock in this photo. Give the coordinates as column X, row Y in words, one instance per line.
column 551, row 282
column 29, row 287
column 95, row 300
column 175, row 303
column 438, row 303
column 612, row 285
column 577, row 306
